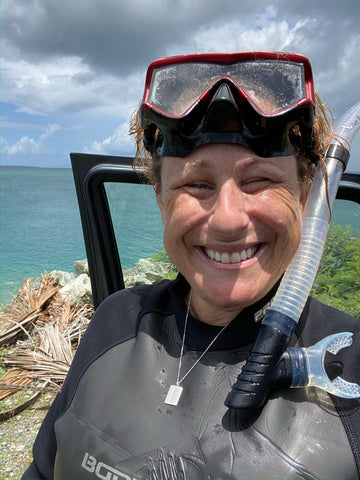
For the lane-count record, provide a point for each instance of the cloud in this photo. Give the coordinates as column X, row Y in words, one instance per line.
column 63, row 86
column 27, row 145
column 109, row 35
column 119, row 143
column 92, row 56
column 339, row 79
column 234, row 36
column 88, row 59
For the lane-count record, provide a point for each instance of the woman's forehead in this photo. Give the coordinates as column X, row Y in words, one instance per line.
column 217, row 157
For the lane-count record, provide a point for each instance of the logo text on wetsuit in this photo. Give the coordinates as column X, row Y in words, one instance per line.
column 101, row 470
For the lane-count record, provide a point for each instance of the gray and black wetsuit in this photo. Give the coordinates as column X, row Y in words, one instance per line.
column 110, row 421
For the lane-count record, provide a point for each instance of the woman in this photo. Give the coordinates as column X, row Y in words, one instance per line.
column 233, row 140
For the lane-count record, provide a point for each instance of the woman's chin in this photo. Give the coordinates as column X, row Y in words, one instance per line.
column 224, row 294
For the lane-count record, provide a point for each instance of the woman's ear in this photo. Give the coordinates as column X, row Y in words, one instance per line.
column 303, row 197
column 304, row 192
column 157, row 192
column 159, row 200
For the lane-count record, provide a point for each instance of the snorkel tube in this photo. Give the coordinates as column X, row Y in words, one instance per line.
column 261, row 369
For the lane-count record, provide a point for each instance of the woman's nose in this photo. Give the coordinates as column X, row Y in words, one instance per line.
column 229, row 214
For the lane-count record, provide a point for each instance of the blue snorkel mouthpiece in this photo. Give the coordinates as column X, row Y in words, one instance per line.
column 261, row 371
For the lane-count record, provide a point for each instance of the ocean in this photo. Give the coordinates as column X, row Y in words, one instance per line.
column 41, row 227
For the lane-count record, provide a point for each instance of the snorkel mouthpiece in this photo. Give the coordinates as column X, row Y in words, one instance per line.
column 258, row 374
column 261, row 371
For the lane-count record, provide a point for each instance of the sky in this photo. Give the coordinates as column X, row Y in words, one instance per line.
column 73, row 72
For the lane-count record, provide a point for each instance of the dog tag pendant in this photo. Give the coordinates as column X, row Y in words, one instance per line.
column 173, row 395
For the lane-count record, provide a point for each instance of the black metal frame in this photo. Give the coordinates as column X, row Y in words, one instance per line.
column 90, row 173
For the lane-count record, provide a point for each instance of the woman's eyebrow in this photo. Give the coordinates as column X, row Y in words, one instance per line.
column 198, row 163
column 266, row 164
column 210, row 163
column 252, row 162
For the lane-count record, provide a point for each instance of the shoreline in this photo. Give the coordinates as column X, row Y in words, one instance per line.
column 76, row 284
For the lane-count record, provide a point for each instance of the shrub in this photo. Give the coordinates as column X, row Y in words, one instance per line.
column 338, row 279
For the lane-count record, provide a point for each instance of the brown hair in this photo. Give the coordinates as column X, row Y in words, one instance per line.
column 322, row 132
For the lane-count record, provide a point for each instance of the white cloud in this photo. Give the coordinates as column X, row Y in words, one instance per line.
column 92, row 57
column 67, row 85
column 338, row 81
column 88, row 59
column 265, row 33
column 24, row 146
column 118, row 143
column 27, row 145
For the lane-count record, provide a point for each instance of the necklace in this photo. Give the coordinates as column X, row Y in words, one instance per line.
column 175, row 391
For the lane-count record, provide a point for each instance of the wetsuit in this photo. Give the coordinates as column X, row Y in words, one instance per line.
column 110, row 421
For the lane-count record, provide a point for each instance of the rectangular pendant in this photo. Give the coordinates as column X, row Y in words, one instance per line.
column 173, row 395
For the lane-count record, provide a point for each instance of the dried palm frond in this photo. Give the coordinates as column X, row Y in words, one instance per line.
column 78, row 321
column 19, row 408
column 48, row 353
column 39, row 366
column 11, row 380
column 50, row 356
column 25, row 308
column 58, row 308
column 33, row 386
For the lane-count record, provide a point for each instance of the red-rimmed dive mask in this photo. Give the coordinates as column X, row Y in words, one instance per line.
column 250, row 98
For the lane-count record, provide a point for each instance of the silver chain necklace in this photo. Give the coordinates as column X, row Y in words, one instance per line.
column 175, row 391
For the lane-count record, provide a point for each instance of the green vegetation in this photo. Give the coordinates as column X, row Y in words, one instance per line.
column 163, row 257
column 338, row 279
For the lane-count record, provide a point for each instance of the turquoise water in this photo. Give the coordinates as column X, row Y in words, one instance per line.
column 41, row 227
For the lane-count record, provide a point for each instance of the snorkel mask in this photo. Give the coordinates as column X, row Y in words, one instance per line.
column 249, row 98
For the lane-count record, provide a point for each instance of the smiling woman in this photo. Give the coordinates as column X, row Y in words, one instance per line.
column 227, row 212
column 145, row 395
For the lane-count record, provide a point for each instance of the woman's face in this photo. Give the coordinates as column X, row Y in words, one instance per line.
column 232, row 224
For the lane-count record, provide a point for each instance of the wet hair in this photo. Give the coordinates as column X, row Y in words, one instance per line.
column 307, row 157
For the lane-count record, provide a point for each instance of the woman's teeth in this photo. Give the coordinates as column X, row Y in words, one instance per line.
column 234, row 257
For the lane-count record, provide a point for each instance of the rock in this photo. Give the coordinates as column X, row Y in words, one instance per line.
column 31, row 282
column 78, row 290
column 81, row 266
column 146, row 271
column 58, row 277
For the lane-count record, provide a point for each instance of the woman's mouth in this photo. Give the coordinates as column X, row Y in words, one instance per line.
column 233, row 257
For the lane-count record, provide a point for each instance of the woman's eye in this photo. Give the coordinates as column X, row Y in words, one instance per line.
column 256, row 184
column 198, row 185
column 198, row 189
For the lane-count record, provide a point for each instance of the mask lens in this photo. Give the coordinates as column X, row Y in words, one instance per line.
column 271, row 85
